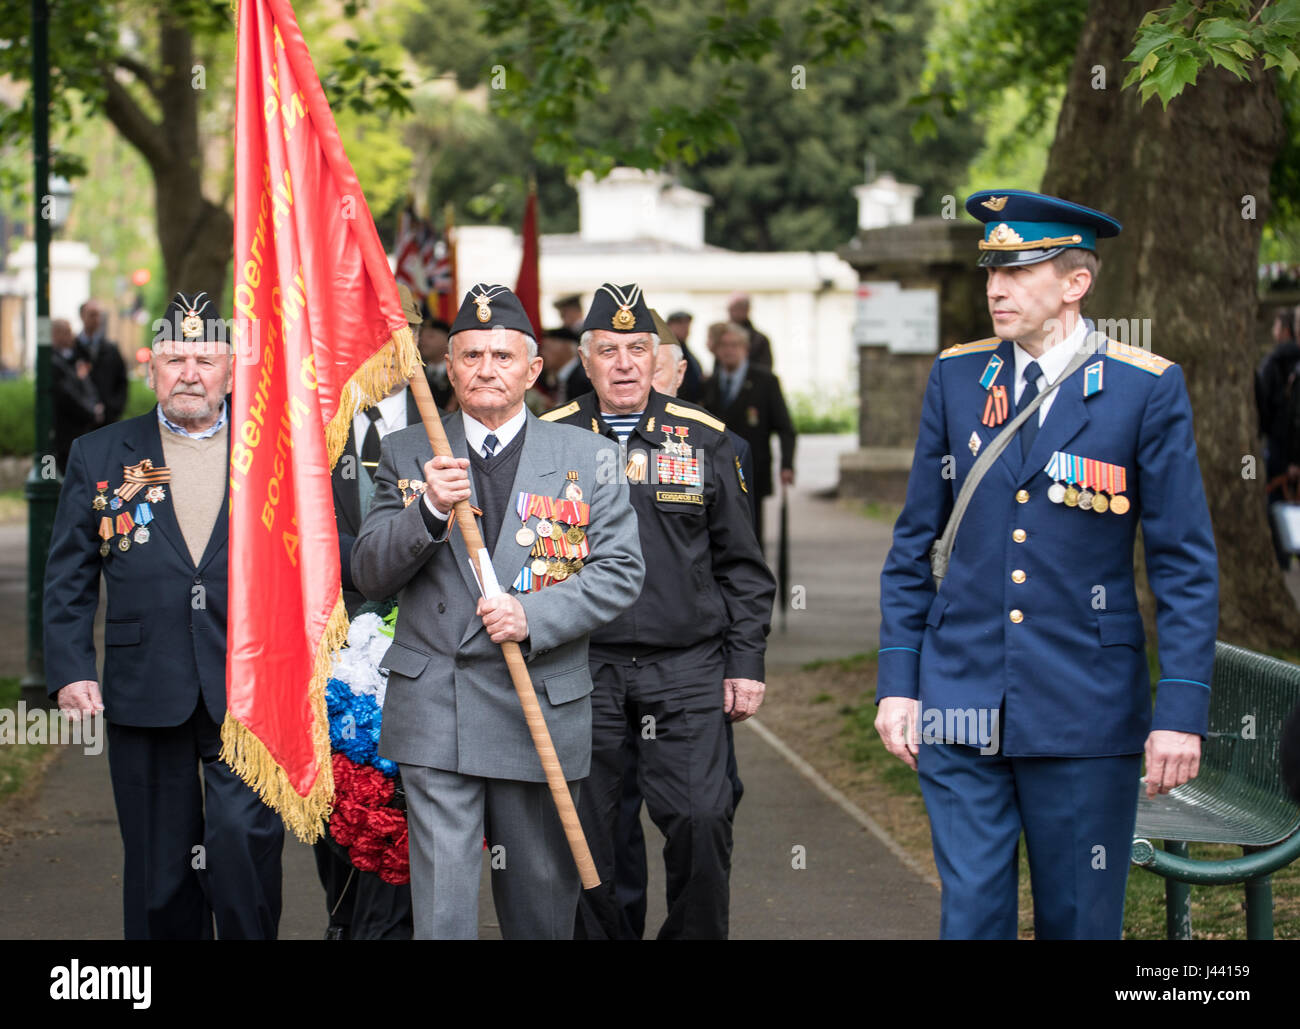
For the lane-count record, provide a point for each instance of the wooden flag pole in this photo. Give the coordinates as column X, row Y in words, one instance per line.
column 514, row 657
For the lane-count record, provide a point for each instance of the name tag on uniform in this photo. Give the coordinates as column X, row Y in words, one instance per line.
column 679, row 498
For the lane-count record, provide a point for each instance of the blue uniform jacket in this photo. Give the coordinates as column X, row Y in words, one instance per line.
column 165, row 630
column 1020, row 619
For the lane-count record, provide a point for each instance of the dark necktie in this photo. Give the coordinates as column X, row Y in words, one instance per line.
column 1029, row 431
column 370, row 445
column 732, row 386
column 489, row 445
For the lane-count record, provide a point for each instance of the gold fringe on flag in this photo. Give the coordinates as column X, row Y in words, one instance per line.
column 393, row 363
column 389, row 366
column 252, row 762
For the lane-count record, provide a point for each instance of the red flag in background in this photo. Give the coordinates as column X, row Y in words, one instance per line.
column 408, row 258
column 448, row 297
column 320, row 334
column 528, row 288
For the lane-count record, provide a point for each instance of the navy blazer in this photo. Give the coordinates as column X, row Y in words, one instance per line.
column 165, row 632
column 1038, row 611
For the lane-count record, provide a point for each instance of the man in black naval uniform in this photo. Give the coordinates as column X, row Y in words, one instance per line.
column 688, row 655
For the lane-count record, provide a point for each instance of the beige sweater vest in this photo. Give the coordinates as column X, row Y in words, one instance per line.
column 199, row 470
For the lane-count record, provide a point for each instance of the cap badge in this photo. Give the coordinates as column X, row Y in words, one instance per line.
column 1003, row 234
column 192, row 325
column 484, row 310
column 995, row 203
column 624, row 319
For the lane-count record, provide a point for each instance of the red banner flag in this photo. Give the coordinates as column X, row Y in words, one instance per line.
column 528, row 287
column 449, row 298
column 320, row 334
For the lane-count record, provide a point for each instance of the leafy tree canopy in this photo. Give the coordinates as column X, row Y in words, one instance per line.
column 775, row 109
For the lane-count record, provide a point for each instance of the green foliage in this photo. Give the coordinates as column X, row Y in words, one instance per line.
column 777, row 138
column 17, row 418
column 18, row 412
column 816, row 413
column 1173, row 44
column 361, row 82
column 980, row 50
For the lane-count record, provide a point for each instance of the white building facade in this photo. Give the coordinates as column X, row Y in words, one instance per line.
column 642, row 227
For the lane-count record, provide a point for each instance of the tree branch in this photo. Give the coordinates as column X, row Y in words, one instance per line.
column 139, row 70
column 135, row 126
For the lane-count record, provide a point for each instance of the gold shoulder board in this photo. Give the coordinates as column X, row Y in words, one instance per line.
column 560, row 412
column 980, row 346
column 694, row 415
column 1152, row 364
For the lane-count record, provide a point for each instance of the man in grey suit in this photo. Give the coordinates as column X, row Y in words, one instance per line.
column 562, row 535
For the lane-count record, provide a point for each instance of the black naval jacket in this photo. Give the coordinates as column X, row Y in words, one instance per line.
column 705, row 576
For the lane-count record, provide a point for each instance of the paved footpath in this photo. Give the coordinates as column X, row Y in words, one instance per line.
column 60, row 876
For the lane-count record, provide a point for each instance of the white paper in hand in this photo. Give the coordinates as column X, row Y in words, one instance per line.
column 487, row 576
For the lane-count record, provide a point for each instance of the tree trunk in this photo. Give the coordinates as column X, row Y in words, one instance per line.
column 1179, row 181
column 196, row 236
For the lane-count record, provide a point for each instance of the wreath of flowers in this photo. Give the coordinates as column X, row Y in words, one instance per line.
column 364, row 820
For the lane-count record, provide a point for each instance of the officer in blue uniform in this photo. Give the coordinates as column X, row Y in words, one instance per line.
column 1019, row 688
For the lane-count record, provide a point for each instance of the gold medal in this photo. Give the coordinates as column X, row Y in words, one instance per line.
column 577, row 565
column 99, row 503
column 1100, row 502
column 103, row 549
column 1071, row 496
column 575, row 535
column 124, row 544
column 561, row 571
column 1119, row 504
column 525, row 537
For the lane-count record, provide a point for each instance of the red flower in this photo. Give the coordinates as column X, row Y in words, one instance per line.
column 374, row 833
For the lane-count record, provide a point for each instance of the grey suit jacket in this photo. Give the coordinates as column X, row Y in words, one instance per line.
column 450, row 703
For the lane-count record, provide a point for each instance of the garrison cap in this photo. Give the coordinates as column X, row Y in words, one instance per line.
column 190, row 318
column 619, row 309
column 492, row 307
column 1021, row 227
column 414, row 315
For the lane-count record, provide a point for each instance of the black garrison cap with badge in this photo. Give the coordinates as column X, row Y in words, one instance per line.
column 191, row 318
column 619, row 309
column 492, row 307
column 1024, row 228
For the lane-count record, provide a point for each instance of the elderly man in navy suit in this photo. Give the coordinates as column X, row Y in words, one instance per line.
column 144, row 504
column 1019, row 687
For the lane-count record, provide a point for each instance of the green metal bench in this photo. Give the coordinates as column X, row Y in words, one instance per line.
column 1238, row 797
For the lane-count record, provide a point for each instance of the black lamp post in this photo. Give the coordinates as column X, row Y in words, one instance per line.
column 42, row 486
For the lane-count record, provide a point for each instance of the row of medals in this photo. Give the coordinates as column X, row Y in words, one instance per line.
column 558, row 568
column 1086, row 500
column 153, row 495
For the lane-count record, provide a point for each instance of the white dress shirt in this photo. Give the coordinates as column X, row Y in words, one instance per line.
column 392, row 416
column 1050, row 365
